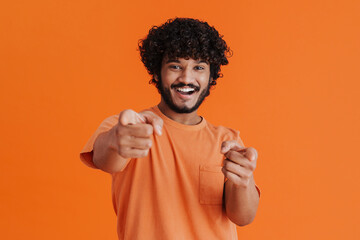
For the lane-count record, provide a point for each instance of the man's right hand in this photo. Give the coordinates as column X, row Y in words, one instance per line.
column 133, row 133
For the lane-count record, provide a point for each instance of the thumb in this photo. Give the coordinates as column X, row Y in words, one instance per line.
column 129, row 117
column 154, row 120
column 230, row 145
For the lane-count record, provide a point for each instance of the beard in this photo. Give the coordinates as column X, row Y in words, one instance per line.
column 166, row 95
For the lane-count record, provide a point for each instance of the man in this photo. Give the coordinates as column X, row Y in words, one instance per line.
column 175, row 175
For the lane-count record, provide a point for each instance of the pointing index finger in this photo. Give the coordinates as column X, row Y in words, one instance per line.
column 251, row 154
column 129, row 117
column 154, row 120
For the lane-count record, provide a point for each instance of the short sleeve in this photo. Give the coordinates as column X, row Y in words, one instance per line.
column 239, row 140
column 86, row 153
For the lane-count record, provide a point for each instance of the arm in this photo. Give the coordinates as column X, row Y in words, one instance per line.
column 130, row 138
column 241, row 194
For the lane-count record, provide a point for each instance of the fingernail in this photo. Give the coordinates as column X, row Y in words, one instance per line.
column 141, row 118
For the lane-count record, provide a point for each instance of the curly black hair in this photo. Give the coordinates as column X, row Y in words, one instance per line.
column 183, row 38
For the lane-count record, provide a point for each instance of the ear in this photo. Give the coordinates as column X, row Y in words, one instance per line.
column 156, row 77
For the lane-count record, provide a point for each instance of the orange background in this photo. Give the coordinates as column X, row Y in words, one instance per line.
column 291, row 88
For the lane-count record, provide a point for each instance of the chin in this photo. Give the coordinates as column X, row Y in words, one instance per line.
column 183, row 109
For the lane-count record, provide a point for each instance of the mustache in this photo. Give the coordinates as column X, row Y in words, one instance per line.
column 179, row 85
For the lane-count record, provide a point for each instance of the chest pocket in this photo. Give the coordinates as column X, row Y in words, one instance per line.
column 211, row 184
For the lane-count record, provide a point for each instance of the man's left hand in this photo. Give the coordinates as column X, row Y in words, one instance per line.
column 239, row 164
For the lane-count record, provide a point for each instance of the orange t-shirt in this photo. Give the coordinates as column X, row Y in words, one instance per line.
column 176, row 192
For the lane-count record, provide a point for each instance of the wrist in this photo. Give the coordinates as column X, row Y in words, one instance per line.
column 243, row 185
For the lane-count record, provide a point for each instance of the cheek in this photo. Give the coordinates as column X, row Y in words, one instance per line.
column 204, row 79
column 167, row 79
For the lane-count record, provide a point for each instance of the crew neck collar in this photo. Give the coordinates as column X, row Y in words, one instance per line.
column 173, row 123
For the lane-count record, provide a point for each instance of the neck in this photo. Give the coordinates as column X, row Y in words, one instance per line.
column 184, row 118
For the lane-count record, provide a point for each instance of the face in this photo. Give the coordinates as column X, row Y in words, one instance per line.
column 184, row 83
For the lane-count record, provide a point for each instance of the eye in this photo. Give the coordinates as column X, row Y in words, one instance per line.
column 199, row 68
column 176, row 67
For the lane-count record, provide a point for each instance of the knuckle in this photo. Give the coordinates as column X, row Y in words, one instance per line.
column 122, row 152
column 148, row 143
column 248, row 175
column 225, row 172
column 251, row 167
column 238, row 181
column 120, row 130
column 157, row 119
column 144, row 153
column 148, row 130
column 232, row 154
column 117, row 130
column 121, row 141
column 243, row 183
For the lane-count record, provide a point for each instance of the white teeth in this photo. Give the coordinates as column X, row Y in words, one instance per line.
column 185, row 89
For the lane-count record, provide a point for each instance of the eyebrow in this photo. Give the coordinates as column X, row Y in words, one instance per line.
column 177, row 61
column 202, row 61
column 172, row 60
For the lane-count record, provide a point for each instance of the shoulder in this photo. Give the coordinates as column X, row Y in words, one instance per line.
column 110, row 121
column 225, row 133
column 153, row 109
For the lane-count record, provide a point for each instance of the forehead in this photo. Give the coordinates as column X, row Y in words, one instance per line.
column 188, row 60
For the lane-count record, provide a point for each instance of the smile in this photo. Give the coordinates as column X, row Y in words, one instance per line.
column 185, row 90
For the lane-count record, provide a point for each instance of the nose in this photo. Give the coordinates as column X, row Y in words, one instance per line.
column 187, row 76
